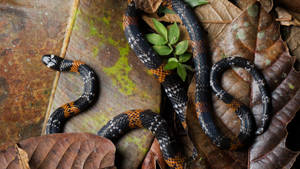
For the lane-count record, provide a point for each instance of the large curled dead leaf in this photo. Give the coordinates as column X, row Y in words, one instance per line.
column 82, row 151
column 253, row 35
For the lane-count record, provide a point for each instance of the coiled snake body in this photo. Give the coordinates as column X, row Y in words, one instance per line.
column 206, row 79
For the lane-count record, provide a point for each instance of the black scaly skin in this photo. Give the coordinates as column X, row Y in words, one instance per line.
column 173, row 86
column 126, row 121
column 59, row 117
column 229, row 62
column 203, row 98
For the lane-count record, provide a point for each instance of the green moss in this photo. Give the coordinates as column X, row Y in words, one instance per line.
column 95, row 51
column 119, row 74
column 106, row 20
column 138, row 142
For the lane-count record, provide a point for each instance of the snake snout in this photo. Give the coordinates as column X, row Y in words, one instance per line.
column 52, row 61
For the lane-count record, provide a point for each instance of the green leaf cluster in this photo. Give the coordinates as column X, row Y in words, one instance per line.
column 165, row 42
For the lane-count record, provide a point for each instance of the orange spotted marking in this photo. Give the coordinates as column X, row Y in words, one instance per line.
column 235, row 145
column 235, row 105
column 134, row 118
column 160, row 73
column 70, row 109
column 177, row 162
column 75, row 66
column 198, row 47
column 128, row 20
column 202, row 107
column 167, row 4
column 184, row 125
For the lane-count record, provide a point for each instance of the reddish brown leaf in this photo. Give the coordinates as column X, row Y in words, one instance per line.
column 82, row 151
column 153, row 157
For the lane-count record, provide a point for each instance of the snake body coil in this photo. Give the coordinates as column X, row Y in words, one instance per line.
column 174, row 88
column 59, row 117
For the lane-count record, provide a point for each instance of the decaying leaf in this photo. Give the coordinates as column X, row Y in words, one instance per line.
column 149, row 6
column 23, row 158
column 266, row 4
column 154, row 157
column 286, row 18
column 82, row 151
column 253, row 35
column 293, row 42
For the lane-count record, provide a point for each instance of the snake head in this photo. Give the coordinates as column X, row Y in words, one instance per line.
column 52, row 61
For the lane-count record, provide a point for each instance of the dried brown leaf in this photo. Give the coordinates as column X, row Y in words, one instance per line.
column 266, row 4
column 253, row 35
column 23, row 158
column 153, row 157
column 293, row 42
column 286, row 18
column 149, row 6
column 82, row 151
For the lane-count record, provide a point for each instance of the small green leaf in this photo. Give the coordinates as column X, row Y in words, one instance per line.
column 170, row 65
column 181, row 71
column 156, row 39
column 173, row 33
column 195, row 3
column 160, row 28
column 188, row 67
column 173, row 59
column 163, row 50
column 184, row 57
column 168, row 11
column 181, row 47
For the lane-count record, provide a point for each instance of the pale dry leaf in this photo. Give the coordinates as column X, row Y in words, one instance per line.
column 149, row 6
column 286, row 18
column 23, row 157
column 267, row 4
column 293, row 43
